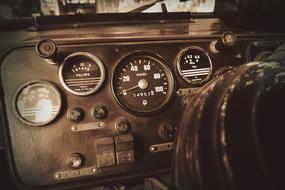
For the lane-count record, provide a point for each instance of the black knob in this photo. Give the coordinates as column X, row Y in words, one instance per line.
column 166, row 131
column 227, row 41
column 75, row 114
column 46, row 49
column 74, row 161
column 99, row 112
column 122, row 126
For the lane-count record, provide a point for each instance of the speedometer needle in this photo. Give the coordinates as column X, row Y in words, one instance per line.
column 142, row 84
column 132, row 88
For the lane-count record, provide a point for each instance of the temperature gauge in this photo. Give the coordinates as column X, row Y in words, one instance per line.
column 194, row 65
column 82, row 74
column 37, row 103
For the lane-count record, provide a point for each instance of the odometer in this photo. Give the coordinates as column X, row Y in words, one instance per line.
column 142, row 83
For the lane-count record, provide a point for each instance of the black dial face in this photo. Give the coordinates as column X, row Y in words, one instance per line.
column 194, row 65
column 37, row 103
column 82, row 74
column 142, row 83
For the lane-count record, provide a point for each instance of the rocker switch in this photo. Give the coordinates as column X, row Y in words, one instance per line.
column 124, row 149
column 105, row 152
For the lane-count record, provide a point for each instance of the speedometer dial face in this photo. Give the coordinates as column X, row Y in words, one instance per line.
column 194, row 65
column 142, row 83
column 82, row 74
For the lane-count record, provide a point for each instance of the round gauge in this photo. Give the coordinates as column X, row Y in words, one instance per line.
column 142, row 83
column 37, row 103
column 82, row 74
column 194, row 65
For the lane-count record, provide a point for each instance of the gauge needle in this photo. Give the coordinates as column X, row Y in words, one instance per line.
column 142, row 84
column 132, row 88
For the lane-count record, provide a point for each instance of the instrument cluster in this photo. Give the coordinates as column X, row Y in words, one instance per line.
column 142, row 82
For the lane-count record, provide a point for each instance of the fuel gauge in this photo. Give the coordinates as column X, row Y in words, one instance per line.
column 82, row 73
column 194, row 65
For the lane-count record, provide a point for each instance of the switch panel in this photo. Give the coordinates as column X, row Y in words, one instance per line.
column 105, row 152
column 115, row 151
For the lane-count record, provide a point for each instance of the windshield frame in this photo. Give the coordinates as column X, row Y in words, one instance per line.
column 44, row 22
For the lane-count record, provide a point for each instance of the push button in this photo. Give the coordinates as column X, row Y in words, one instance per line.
column 105, row 152
column 75, row 114
column 124, row 149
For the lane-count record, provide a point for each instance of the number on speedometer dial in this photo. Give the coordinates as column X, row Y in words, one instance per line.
column 142, row 83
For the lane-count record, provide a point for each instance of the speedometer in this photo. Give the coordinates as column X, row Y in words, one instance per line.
column 142, row 83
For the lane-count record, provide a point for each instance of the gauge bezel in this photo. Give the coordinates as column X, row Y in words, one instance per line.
column 96, row 60
column 178, row 61
column 32, row 82
column 172, row 84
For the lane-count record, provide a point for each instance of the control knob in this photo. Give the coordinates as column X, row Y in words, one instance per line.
column 227, row 41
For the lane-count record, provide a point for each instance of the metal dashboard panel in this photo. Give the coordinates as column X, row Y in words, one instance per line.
column 39, row 153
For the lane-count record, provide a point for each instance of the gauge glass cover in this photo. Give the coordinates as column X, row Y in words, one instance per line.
column 142, row 83
column 82, row 74
column 37, row 103
column 194, row 65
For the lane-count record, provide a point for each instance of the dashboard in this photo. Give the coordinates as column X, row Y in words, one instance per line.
column 82, row 110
